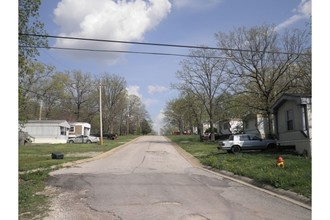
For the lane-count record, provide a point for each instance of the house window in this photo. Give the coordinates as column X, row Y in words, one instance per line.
column 63, row 130
column 289, row 120
column 72, row 129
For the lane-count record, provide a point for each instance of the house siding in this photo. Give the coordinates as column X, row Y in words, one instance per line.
column 301, row 134
column 47, row 132
column 256, row 124
column 80, row 128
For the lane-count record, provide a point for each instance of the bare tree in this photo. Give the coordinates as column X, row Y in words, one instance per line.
column 304, row 73
column 114, row 100
column 204, row 75
column 135, row 114
column 262, row 63
column 79, row 88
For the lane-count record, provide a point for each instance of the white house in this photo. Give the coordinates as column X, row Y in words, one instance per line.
column 47, row 131
column 256, row 124
column 230, row 126
column 293, row 121
column 79, row 128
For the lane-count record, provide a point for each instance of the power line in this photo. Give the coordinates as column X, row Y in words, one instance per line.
column 155, row 44
column 123, row 51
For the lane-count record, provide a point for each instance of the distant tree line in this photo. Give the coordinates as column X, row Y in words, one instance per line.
column 250, row 70
column 75, row 96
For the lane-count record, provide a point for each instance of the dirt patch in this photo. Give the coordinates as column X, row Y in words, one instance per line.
column 73, row 205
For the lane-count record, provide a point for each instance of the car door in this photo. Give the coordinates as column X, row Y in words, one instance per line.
column 80, row 139
column 244, row 141
column 256, row 142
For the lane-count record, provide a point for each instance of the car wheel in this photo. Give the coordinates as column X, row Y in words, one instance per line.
column 235, row 149
column 88, row 141
column 70, row 141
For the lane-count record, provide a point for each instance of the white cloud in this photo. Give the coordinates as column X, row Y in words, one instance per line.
column 150, row 102
column 107, row 19
column 303, row 11
column 134, row 90
column 157, row 89
column 196, row 4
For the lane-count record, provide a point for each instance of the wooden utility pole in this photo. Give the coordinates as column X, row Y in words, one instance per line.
column 101, row 130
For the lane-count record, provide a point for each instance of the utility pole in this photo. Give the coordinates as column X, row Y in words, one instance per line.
column 40, row 111
column 101, row 130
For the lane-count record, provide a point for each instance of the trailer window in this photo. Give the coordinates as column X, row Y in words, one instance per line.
column 63, row 130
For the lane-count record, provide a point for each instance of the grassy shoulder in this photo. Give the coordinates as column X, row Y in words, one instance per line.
column 296, row 176
column 35, row 163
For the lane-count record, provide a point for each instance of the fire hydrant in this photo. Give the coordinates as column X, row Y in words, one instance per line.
column 280, row 162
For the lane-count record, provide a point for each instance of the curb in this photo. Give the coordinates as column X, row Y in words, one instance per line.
column 281, row 193
column 99, row 156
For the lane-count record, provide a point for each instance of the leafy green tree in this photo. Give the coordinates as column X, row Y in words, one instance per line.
column 28, row 23
column 35, row 87
column 174, row 114
column 146, row 127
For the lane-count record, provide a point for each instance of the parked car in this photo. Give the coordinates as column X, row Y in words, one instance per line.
column 83, row 139
column 239, row 142
column 112, row 136
column 207, row 136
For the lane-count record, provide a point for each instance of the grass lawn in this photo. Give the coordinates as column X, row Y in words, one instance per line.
column 296, row 176
column 32, row 157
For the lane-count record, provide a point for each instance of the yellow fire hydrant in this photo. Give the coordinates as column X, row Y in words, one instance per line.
column 280, row 162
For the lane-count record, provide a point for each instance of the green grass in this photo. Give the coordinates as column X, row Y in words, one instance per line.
column 32, row 204
column 259, row 166
column 36, row 156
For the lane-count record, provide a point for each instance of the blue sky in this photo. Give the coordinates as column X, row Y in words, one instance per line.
column 188, row 22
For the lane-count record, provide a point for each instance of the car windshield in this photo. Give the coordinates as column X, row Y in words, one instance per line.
column 231, row 137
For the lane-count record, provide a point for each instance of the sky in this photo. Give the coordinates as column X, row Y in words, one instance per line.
column 181, row 22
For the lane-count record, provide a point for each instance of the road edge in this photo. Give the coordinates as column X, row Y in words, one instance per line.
column 283, row 194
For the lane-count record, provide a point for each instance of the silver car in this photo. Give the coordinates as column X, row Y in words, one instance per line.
column 239, row 142
column 83, row 139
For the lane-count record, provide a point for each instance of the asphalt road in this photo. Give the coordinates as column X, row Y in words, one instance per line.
column 150, row 179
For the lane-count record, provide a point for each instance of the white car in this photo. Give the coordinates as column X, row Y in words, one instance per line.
column 239, row 142
column 83, row 139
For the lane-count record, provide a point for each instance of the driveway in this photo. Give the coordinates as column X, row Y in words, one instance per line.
column 150, row 179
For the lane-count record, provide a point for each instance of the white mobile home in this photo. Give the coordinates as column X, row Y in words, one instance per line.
column 256, row 124
column 230, row 126
column 48, row 131
column 79, row 128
